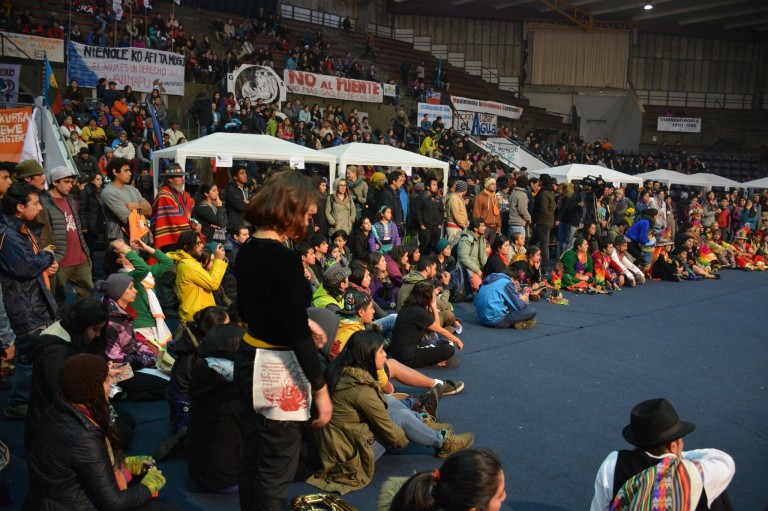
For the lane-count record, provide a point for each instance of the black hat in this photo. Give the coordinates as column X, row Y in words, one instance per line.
column 173, row 170
column 655, row 422
column 83, row 150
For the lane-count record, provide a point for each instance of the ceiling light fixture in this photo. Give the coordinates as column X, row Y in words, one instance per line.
column 648, row 6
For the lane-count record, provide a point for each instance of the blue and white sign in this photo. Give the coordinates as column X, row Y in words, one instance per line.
column 435, row 111
column 140, row 68
column 475, row 123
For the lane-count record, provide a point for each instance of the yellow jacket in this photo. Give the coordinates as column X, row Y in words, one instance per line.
column 194, row 284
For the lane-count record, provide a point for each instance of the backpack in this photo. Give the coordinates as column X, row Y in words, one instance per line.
column 667, row 486
column 459, row 285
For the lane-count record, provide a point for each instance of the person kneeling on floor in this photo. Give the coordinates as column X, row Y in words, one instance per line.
column 500, row 306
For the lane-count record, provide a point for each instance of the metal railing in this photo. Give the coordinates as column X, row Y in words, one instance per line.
column 315, row 17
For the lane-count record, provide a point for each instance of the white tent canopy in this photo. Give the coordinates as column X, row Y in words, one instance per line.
column 241, row 146
column 757, row 183
column 672, row 177
column 715, row 180
column 578, row 171
column 357, row 153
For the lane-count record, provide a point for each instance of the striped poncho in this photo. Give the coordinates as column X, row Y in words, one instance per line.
column 170, row 215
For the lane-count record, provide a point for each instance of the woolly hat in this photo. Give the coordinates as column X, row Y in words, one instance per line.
column 378, row 178
column 488, row 182
column 115, row 285
column 441, row 244
column 82, row 377
column 461, row 186
column 336, row 274
column 354, row 301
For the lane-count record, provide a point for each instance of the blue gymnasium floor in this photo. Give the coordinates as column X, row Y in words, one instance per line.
column 552, row 401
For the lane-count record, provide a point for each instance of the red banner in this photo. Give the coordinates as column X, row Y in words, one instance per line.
column 13, row 127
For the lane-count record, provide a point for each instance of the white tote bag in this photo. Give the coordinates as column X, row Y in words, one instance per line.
column 281, row 391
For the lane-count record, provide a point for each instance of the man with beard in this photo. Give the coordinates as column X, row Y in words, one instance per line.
column 172, row 210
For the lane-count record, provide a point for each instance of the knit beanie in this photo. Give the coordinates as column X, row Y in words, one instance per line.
column 336, row 274
column 378, row 178
column 461, row 186
column 82, row 377
column 115, row 285
column 440, row 246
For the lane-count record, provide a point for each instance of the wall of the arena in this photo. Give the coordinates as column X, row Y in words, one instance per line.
column 497, row 44
column 697, row 72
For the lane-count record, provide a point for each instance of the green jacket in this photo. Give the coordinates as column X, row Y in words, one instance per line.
column 569, row 259
column 138, row 274
column 346, row 443
column 409, row 281
column 472, row 252
column 321, row 298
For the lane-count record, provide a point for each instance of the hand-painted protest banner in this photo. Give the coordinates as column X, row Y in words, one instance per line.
column 486, row 107
column 260, row 84
column 140, row 68
column 474, row 123
column 22, row 46
column 435, row 111
column 325, row 86
column 683, row 124
column 506, row 150
column 13, row 128
column 9, row 82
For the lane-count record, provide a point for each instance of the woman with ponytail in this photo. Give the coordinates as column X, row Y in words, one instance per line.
column 469, row 480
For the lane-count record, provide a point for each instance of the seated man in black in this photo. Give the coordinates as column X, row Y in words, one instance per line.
column 658, row 468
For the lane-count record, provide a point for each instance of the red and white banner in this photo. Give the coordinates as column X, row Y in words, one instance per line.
column 24, row 46
column 325, row 86
column 13, row 129
column 486, row 107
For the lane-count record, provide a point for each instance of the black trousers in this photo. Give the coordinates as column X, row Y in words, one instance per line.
column 144, row 387
column 428, row 238
column 432, row 355
column 270, row 454
column 541, row 234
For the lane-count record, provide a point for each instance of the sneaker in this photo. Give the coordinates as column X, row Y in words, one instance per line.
column 433, row 424
column 429, row 402
column 458, row 328
column 450, row 387
column 454, row 442
column 525, row 325
column 16, row 413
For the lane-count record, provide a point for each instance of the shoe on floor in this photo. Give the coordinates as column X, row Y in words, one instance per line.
column 429, row 402
column 450, row 387
column 433, row 424
column 16, row 413
column 525, row 325
column 454, row 442
column 458, row 328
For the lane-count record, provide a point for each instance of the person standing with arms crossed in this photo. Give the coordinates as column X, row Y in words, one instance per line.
column 273, row 300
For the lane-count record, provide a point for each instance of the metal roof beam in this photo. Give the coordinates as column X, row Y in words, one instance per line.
column 685, row 10
column 724, row 15
column 513, row 3
column 751, row 23
column 629, row 7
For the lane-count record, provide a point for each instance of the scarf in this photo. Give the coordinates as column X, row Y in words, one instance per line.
column 163, row 332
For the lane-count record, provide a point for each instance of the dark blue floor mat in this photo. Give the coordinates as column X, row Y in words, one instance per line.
column 552, row 400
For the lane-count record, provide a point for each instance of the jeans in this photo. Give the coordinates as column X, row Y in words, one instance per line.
column 541, row 232
column 22, row 380
column 565, row 233
column 387, row 324
column 415, row 429
column 516, row 228
column 515, row 317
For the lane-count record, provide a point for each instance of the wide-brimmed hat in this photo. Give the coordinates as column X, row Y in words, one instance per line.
column 655, row 422
column 29, row 168
column 174, row 170
column 665, row 238
column 742, row 233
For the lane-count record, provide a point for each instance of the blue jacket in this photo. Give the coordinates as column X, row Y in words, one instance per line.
column 496, row 298
column 639, row 231
column 28, row 301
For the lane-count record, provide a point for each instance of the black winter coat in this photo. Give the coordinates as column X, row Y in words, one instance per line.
column 69, row 467
column 91, row 211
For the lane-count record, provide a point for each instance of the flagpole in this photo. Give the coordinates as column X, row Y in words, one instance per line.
column 130, row 18
column 173, row 13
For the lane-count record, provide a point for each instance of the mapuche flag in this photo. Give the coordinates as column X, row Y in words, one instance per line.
column 51, row 89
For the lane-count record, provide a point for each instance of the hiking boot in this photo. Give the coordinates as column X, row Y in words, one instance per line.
column 454, row 442
column 450, row 387
column 434, row 425
column 16, row 413
column 525, row 325
column 429, row 402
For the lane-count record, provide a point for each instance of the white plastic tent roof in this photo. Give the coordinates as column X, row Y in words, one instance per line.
column 715, row 180
column 240, row 146
column 757, row 183
column 578, row 171
column 357, row 153
column 672, row 177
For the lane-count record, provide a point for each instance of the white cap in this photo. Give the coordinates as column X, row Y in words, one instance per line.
column 60, row 173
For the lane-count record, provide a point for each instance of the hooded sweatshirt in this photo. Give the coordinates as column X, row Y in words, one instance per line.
column 194, row 284
column 496, row 298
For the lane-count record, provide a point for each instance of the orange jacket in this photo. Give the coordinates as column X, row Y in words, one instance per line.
column 119, row 108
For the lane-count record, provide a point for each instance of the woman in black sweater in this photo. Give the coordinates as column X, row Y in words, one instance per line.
column 273, row 299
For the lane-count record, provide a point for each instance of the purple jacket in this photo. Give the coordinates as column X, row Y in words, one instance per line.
column 120, row 340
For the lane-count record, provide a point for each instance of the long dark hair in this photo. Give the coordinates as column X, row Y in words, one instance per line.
column 397, row 254
column 421, row 295
column 468, row 479
column 77, row 317
column 360, row 351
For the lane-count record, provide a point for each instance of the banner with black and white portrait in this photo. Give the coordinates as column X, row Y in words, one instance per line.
column 256, row 83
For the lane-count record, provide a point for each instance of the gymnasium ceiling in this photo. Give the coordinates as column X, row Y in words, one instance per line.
column 741, row 19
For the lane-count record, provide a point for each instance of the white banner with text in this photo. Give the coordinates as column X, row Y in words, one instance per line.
column 683, row 124
column 325, row 86
column 24, row 46
column 474, row 123
column 433, row 112
column 486, row 107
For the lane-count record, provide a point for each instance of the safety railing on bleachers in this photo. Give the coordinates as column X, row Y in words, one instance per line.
column 315, row 17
